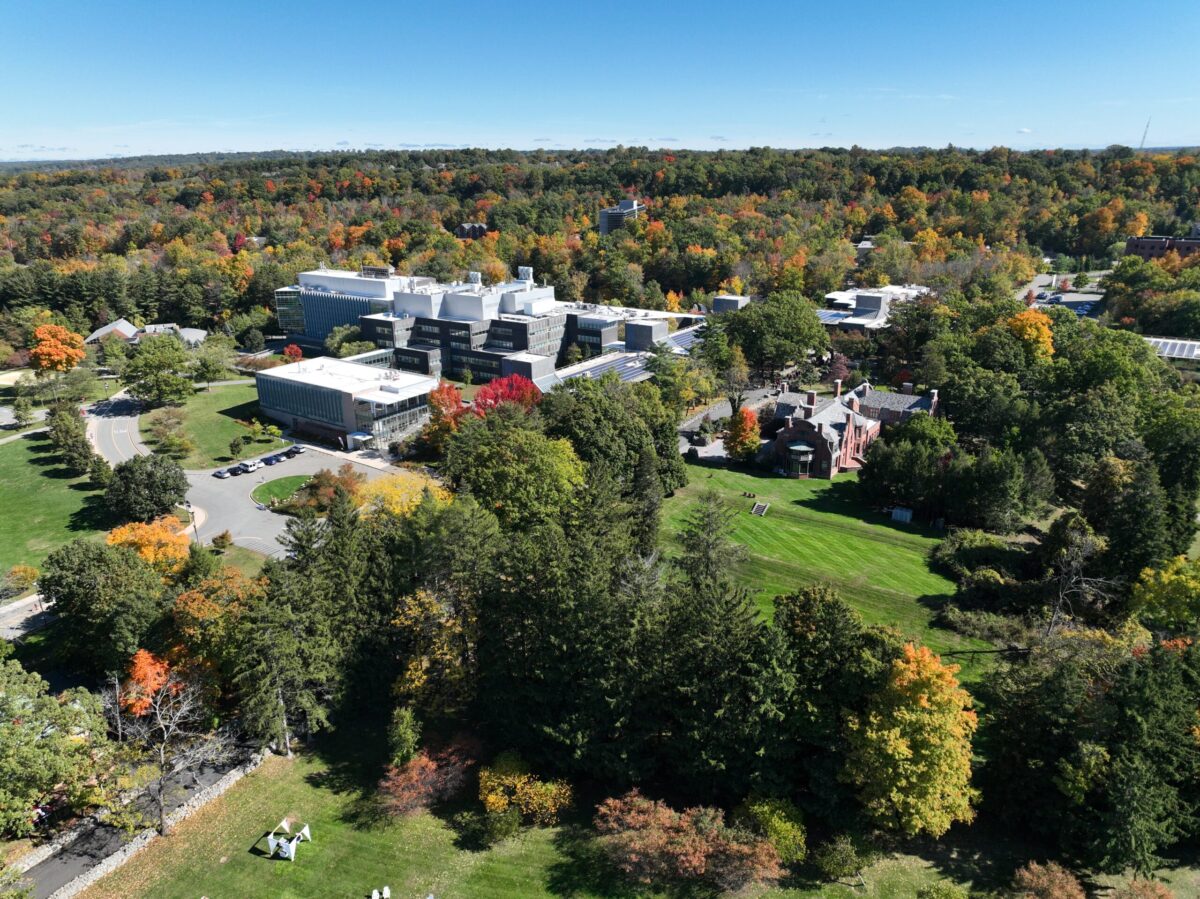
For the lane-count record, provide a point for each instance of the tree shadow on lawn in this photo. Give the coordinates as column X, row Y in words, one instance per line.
column 93, row 515
column 583, row 868
column 354, row 760
column 242, row 411
column 981, row 854
column 844, row 498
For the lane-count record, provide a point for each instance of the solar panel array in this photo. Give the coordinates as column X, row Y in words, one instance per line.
column 832, row 316
column 1170, row 348
column 629, row 368
column 685, row 338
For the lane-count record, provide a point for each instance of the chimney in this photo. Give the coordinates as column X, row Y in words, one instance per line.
column 789, row 422
column 837, row 388
column 907, row 388
column 810, row 398
column 933, row 401
column 783, row 387
column 854, row 401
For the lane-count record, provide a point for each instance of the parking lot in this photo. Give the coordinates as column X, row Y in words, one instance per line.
column 1086, row 302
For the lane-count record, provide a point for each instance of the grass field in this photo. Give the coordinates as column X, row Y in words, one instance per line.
column 247, row 561
column 211, row 422
column 817, row 530
column 220, row 852
column 278, row 489
column 42, row 504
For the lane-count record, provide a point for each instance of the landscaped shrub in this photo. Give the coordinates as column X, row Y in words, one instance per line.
column 1048, row 881
column 509, row 784
column 426, row 779
column 651, row 843
column 943, row 890
column 1142, row 889
column 781, row 823
column 839, row 859
column 17, row 580
column 479, row 830
column 318, row 493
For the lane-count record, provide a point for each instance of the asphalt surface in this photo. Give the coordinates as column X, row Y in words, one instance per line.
column 224, row 505
column 24, row 616
column 99, row 840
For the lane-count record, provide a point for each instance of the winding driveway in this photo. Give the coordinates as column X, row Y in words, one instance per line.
column 222, row 504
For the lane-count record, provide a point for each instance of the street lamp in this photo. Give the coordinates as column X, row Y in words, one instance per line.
column 187, row 504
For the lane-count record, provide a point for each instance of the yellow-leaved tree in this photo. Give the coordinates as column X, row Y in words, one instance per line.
column 399, row 493
column 159, row 543
column 1035, row 330
column 910, row 754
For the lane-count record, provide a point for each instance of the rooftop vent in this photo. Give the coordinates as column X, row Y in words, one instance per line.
column 525, row 273
column 378, row 271
column 474, row 278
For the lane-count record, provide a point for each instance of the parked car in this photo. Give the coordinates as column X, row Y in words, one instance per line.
column 271, row 460
column 1057, row 298
column 250, row 465
column 221, row 473
column 1042, row 295
column 294, row 450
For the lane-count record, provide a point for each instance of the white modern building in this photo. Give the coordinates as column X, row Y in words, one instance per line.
column 864, row 309
column 353, row 404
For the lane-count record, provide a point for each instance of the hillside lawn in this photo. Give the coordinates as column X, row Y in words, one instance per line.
column 42, row 505
column 820, row 531
column 211, row 422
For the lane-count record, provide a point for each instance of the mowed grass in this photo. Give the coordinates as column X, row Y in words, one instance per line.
column 220, row 852
column 278, row 489
column 211, row 422
column 819, row 531
column 247, row 561
column 42, row 504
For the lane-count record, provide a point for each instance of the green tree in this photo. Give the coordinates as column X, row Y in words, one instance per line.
column 213, row 360
column 51, row 747
column 784, row 328
column 159, row 372
column 22, row 410
column 1169, row 597
column 253, row 341
column 145, row 487
column 107, row 600
column 512, row 468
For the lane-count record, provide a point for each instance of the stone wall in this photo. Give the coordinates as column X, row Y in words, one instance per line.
column 146, row 837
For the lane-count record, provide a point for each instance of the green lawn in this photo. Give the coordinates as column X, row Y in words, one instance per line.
column 247, row 561
column 42, row 504
column 278, row 489
column 818, row 530
column 212, row 422
column 219, row 852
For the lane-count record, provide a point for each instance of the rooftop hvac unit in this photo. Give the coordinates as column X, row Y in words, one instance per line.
column 474, row 278
column 525, row 273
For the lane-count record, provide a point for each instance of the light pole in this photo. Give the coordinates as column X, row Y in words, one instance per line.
column 187, row 504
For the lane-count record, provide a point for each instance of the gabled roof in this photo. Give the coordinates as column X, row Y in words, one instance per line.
column 868, row 396
column 121, row 327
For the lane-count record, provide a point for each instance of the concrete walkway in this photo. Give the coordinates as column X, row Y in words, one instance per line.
column 24, row 616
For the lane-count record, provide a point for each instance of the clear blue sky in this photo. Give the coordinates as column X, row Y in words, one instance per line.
column 82, row 78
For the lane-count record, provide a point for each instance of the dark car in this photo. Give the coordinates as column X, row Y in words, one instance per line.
column 271, row 460
column 1042, row 295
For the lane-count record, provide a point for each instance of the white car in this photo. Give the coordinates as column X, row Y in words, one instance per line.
column 250, row 465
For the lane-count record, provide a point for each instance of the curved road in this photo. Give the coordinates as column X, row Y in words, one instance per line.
column 226, row 504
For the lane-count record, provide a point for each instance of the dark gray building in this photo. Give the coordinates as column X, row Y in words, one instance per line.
column 615, row 217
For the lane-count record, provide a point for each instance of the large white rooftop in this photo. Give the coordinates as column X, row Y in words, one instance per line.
column 362, row 381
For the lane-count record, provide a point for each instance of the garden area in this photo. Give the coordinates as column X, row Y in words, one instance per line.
column 200, row 432
column 820, row 531
column 45, row 505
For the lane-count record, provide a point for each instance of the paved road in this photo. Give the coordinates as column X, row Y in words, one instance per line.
column 23, row 617
column 225, row 504
column 99, row 841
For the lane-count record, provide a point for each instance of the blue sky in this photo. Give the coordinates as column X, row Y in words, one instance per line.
column 82, row 78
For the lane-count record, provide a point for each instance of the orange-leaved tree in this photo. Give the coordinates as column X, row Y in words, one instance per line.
column 207, row 616
column 741, row 440
column 55, row 349
column 159, row 543
column 910, row 754
column 147, row 675
column 293, row 353
column 445, row 410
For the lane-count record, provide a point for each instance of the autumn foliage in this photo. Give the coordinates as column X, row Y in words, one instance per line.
column 741, row 440
column 159, row 544
column 1035, row 330
column 1048, row 881
column 293, row 353
column 147, row 675
column 511, row 389
column 55, row 349
column 911, row 752
column 507, row 783
column 428, row 778
column 653, row 844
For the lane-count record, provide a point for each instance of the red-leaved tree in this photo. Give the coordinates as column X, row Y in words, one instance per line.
column 512, row 389
column 651, row 843
column 428, row 778
column 293, row 353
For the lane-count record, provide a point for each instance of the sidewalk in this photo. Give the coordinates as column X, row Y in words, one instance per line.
column 24, row 616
